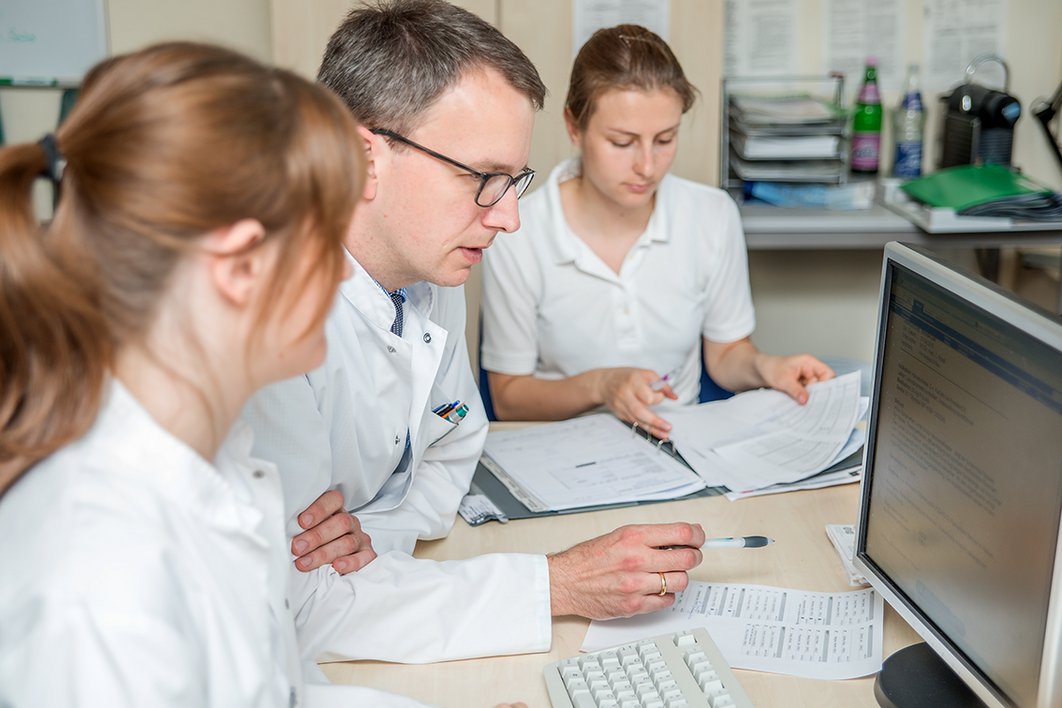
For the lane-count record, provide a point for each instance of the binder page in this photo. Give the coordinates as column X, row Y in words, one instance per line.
column 824, row 635
column 586, row 461
column 761, row 438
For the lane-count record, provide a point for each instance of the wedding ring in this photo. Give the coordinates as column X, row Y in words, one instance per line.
column 663, row 584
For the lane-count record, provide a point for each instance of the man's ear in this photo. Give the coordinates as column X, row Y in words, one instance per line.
column 375, row 160
column 237, row 267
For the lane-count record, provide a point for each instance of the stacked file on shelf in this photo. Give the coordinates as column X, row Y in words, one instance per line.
column 786, row 138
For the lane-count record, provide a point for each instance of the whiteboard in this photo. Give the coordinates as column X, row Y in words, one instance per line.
column 50, row 42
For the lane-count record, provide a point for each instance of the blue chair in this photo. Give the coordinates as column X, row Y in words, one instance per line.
column 710, row 390
column 484, row 395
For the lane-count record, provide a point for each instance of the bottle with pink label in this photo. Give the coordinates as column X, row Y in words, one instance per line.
column 866, row 123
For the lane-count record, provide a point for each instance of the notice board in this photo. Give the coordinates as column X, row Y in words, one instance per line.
column 50, row 42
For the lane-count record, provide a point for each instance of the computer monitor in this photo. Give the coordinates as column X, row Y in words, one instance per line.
column 961, row 498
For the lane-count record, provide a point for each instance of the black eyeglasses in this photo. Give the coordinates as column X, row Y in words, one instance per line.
column 492, row 185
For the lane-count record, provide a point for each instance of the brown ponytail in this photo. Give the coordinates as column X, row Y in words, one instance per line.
column 164, row 146
column 51, row 324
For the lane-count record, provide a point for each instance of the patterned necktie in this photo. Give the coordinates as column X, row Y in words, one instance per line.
column 398, row 297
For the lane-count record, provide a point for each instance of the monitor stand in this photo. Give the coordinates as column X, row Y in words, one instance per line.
column 915, row 677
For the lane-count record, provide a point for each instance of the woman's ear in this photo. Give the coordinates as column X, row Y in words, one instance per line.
column 237, row 266
column 570, row 124
column 375, row 159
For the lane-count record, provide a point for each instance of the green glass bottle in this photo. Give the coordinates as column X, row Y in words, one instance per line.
column 866, row 123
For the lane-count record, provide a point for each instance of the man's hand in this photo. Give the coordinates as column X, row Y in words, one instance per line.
column 619, row 574
column 332, row 536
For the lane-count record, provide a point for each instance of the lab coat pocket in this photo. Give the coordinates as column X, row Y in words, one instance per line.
column 436, row 428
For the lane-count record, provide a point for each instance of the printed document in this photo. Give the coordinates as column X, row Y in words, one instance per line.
column 824, row 635
column 587, row 461
column 761, row 438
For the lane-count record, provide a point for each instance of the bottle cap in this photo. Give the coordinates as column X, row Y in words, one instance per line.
column 872, row 61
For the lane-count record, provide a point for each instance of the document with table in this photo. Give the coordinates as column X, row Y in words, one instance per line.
column 824, row 635
column 754, row 443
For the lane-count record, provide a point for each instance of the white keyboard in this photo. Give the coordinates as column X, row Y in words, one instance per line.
column 680, row 670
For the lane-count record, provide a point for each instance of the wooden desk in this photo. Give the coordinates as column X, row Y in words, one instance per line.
column 802, row 558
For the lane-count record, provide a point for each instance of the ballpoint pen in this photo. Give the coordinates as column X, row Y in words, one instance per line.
column 445, row 409
column 738, row 542
column 663, row 380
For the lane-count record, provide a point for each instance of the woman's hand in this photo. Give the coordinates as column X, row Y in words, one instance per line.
column 629, row 392
column 792, row 374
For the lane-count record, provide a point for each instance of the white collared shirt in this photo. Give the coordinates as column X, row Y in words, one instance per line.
column 139, row 574
column 552, row 308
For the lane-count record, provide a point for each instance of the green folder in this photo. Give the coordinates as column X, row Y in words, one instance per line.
column 965, row 186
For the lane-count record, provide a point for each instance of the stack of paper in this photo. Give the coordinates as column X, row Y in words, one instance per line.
column 772, row 147
column 785, row 138
column 842, row 536
column 764, row 438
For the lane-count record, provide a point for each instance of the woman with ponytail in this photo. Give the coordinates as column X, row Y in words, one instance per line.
column 624, row 280
column 193, row 255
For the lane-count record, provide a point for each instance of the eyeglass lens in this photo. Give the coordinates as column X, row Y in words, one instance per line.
column 495, row 186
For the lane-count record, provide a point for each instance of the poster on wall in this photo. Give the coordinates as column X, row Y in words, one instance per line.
column 954, row 32
column 588, row 16
column 50, row 42
column 760, row 38
column 855, row 30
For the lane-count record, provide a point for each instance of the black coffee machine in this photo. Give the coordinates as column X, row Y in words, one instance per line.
column 977, row 123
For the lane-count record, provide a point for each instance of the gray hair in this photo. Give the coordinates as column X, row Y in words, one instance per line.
column 391, row 61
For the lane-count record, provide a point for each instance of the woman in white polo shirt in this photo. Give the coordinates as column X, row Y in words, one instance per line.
column 622, row 276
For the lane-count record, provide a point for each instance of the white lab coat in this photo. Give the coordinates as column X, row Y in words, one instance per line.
column 139, row 574
column 344, row 426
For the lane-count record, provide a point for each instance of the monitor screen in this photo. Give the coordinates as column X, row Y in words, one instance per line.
column 962, row 492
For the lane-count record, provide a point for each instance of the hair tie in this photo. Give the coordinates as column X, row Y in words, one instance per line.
column 56, row 162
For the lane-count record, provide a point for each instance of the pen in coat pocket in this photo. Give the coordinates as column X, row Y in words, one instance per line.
column 456, row 415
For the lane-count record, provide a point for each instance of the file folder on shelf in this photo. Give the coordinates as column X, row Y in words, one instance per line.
column 971, row 198
column 972, row 187
column 785, row 128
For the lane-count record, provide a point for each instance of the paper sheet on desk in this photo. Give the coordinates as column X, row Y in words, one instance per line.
column 764, row 437
column 824, row 635
column 587, row 461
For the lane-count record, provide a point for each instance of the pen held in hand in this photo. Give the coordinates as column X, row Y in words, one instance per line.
column 738, row 542
column 664, row 380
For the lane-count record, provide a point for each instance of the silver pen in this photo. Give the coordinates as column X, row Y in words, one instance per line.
column 738, row 542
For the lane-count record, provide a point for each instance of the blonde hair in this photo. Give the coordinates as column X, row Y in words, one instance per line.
column 164, row 145
column 623, row 57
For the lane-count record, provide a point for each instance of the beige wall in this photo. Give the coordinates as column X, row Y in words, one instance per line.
column 820, row 302
column 301, row 28
column 543, row 30
column 826, row 302
column 242, row 24
column 28, row 113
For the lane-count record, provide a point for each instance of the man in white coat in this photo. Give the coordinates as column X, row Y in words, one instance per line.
column 446, row 105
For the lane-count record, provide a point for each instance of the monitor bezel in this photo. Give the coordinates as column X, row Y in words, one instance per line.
column 1039, row 324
